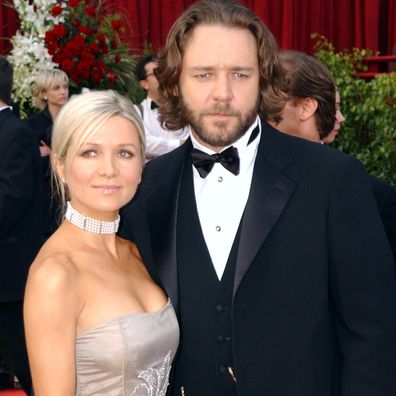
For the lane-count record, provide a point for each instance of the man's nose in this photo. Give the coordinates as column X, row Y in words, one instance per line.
column 222, row 90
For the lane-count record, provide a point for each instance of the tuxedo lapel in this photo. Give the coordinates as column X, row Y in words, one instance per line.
column 162, row 203
column 269, row 194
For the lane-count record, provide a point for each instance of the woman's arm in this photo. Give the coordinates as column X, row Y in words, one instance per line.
column 50, row 313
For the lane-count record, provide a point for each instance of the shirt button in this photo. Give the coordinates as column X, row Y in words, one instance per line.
column 219, row 179
column 218, row 228
column 219, row 308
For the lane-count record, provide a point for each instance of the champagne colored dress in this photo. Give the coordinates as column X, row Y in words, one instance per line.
column 128, row 356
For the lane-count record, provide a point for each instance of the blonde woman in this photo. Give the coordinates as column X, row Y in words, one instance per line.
column 50, row 93
column 96, row 323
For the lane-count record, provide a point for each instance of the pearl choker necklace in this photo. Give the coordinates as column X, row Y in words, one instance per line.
column 89, row 224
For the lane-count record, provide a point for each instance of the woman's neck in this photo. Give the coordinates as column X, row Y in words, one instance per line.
column 53, row 110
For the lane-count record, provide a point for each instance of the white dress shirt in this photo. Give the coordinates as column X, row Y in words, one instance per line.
column 5, row 107
column 221, row 198
column 158, row 140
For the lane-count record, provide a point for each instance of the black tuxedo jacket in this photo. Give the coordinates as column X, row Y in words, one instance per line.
column 385, row 195
column 20, row 211
column 314, row 292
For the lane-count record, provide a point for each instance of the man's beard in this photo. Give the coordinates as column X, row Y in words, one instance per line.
column 220, row 137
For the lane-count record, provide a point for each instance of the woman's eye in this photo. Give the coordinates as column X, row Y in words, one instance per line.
column 89, row 153
column 126, row 154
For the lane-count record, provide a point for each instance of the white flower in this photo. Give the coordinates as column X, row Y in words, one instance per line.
column 29, row 53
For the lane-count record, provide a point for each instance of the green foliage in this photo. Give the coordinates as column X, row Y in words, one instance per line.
column 369, row 132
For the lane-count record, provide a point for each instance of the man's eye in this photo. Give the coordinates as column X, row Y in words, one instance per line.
column 202, row 76
column 240, row 76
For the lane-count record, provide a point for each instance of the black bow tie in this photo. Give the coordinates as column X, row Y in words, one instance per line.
column 154, row 105
column 204, row 162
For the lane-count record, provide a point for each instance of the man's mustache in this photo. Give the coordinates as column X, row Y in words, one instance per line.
column 223, row 109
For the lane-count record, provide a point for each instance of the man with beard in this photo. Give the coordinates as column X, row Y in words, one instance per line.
column 283, row 279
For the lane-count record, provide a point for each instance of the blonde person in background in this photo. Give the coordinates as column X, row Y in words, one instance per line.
column 50, row 93
column 96, row 322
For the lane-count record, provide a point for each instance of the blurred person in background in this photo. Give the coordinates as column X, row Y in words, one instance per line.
column 20, row 225
column 159, row 140
column 50, row 93
column 312, row 111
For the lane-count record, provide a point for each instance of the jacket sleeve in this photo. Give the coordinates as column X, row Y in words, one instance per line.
column 17, row 175
column 362, row 285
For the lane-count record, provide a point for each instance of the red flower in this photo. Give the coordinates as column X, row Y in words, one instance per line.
column 57, row 58
column 72, row 49
column 111, row 76
column 101, row 66
column 88, row 58
column 90, row 11
column 50, row 37
column 105, row 50
column 52, row 47
column 79, row 45
column 56, row 10
column 67, row 66
column 79, row 39
column 116, row 24
column 73, row 3
column 75, row 77
column 59, row 31
column 85, row 29
column 94, row 48
column 97, row 76
column 101, row 38
column 83, row 69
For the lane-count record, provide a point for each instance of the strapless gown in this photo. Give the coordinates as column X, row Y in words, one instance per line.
column 128, row 356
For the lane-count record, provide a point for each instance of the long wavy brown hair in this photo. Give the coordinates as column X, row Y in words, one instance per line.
column 217, row 12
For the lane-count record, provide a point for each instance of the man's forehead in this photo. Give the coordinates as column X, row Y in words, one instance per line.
column 151, row 65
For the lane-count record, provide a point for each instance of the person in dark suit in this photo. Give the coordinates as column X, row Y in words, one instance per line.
column 20, row 218
column 50, row 93
column 283, row 279
column 308, row 113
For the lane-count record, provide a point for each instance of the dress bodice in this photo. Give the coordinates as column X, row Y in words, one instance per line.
column 130, row 355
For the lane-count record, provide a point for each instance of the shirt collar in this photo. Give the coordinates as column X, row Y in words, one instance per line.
column 5, row 107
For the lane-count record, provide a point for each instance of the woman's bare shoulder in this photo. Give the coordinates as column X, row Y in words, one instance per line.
column 54, row 266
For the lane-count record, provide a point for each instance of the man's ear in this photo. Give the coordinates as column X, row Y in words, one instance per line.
column 144, row 84
column 175, row 91
column 307, row 108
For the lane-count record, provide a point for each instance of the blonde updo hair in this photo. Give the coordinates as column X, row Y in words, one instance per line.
column 79, row 119
column 46, row 79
